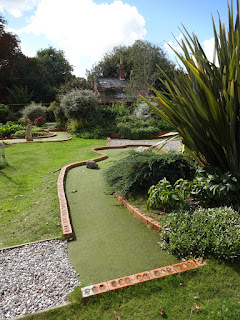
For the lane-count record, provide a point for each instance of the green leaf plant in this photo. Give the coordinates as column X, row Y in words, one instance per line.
column 202, row 103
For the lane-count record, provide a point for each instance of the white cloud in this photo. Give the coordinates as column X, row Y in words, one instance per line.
column 27, row 52
column 209, row 49
column 86, row 29
column 16, row 7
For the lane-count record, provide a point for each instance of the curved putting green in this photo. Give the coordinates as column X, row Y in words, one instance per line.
column 110, row 242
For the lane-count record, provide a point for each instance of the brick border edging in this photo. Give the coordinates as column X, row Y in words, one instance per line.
column 64, row 213
column 126, row 281
column 137, row 213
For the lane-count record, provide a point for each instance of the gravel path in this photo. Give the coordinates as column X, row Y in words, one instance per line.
column 34, row 277
column 171, row 145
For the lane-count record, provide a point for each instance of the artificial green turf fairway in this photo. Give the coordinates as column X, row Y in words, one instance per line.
column 110, row 241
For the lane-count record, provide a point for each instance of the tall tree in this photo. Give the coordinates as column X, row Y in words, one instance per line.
column 57, row 68
column 9, row 48
column 142, row 58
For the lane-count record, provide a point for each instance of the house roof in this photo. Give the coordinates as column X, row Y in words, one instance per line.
column 111, row 83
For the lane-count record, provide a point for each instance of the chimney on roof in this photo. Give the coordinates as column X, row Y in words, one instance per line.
column 121, row 70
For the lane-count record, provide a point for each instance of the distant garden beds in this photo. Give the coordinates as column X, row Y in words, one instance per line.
column 133, row 122
column 16, row 130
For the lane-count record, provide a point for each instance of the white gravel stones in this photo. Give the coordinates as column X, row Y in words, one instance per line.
column 171, row 145
column 34, row 277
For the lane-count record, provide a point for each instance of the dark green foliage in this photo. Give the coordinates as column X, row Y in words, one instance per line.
column 215, row 187
column 137, row 172
column 19, row 134
column 128, row 121
column 210, row 186
column 19, row 94
column 102, row 122
column 57, row 68
column 60, row 116
column 91, row 133
column 140, row 123
column 202, row 233
column 4, row 113
column 136, row 129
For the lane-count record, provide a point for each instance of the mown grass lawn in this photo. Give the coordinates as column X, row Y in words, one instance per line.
column 29, row 211
column 29, row 207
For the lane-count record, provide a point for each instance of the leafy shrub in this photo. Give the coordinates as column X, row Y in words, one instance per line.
column 137, row 172
column 131, row 127
column 210, row 186
column 19, row 134
column 215, row 187
column 4, row 113
column 50, row 116
column 74, row 126
column 91, row 133
column 8, row 129
column 167, row 197
column 39, row 132
column 79, row 104
column 39, row 122
column 202, row 232
column 73, row 84
column 33, row 111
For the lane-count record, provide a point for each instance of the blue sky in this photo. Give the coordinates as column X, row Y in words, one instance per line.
column 86, row 29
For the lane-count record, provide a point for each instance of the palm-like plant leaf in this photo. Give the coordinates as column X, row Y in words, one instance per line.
column 203, row 103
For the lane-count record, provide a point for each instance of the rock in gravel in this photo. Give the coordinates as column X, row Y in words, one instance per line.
column 34, row 277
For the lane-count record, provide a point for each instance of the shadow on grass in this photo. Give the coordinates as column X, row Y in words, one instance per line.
column 7, row 177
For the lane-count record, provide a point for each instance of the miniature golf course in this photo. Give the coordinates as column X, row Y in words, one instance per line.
column 110, row 242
